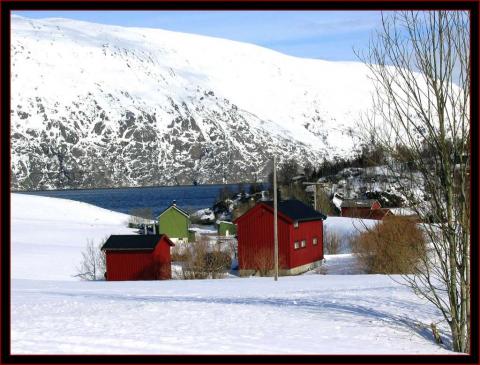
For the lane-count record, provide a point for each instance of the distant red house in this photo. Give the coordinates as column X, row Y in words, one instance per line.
column 138, row 257
column 300, row 238
column 361, row 208
column 378, row 214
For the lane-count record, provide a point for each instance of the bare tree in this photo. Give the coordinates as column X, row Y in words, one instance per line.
column 93, row 265
column 287, row 171
column 332, row 243
column 324, row 203
column 420, row 66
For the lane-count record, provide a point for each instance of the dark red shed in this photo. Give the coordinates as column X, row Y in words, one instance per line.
column 300, row 238
column 360, row 208
column 138, row 257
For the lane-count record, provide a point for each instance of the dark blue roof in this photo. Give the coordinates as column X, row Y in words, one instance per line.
column 296, row 210
column 133, row 242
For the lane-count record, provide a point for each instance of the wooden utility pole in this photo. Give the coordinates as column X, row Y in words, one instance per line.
column 275, row 232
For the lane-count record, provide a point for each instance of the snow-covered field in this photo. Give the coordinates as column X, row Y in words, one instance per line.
column 49, row 234
column 53, row 313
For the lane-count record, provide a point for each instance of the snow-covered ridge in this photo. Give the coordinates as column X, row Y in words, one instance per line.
column 149, row 106
column 48, row 235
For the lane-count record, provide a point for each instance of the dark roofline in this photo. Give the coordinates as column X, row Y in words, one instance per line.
column 280, row 214
column 307, row 219
column 136, row 237
column 269, row 208
column 283, row 215
column 175, row 207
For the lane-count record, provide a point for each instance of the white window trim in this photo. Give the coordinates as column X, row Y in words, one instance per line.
column 303, row 244
column 315, row 240
column 296, row 245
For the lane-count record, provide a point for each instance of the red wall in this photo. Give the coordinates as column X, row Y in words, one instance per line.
column 255, row 238
column 140, row 264
column 376, row 205
column 306, row 231
column 360, row 212
column 355, row 212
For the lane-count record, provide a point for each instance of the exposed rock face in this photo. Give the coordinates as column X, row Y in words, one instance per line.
column 102, row 106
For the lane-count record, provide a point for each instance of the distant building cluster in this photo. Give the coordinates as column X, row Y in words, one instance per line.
column 148, row 256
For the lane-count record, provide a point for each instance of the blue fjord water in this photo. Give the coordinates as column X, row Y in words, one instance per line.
column 124, row 200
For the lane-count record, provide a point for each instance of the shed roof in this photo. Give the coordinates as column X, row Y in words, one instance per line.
column 174, row 206
column 358, row 203
column 379, row 213
column 296, row 210
column 134, row 242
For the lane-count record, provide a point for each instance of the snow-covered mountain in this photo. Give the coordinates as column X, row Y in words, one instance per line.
column 103, row 106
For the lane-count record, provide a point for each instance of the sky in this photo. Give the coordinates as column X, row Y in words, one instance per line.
column 328, row 35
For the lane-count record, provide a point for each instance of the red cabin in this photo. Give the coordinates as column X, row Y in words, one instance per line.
column 300, row 238
column 138, row 257
column 361, row 208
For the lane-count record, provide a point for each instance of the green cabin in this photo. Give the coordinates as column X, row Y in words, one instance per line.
column 174, row 222
column 227, row 229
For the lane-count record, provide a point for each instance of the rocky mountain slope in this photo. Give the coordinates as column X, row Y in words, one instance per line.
column 106, row 106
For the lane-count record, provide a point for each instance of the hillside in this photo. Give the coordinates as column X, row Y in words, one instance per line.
column 106, row 106
column 49, row 235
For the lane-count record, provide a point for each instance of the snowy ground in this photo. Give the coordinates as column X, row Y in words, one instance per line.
column 316, row 313
column 49, row 234
column 203, row 228
column 342, row 264
column 308, row 314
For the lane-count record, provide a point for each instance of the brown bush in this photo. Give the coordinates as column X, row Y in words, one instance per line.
column 394, row 246
column 262, row 261
column 177, row 253
column 332, row 243
column 217, row 263
column 202, row 260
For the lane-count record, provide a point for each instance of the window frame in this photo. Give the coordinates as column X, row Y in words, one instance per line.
column 296, row 245
column 303, row 243
column 315, row 241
